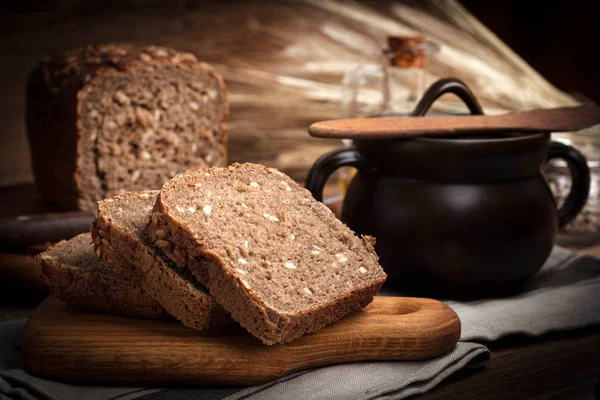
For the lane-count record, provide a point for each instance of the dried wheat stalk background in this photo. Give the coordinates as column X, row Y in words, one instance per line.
column 283, row 62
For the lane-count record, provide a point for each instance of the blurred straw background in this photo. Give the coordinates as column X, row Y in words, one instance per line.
column 283, row 62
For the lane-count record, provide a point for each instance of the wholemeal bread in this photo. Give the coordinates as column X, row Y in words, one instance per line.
column 120, row 238
column 106, row 119
column 72, row 273
column 275, row 258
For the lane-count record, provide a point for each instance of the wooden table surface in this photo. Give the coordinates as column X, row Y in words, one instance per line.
column 563, row 365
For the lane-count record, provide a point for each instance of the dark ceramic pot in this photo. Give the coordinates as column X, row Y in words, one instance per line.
column 456, row 216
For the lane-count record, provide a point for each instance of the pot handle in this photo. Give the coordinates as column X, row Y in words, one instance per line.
column 443, row 86
column 328, row 163
column 580, row 180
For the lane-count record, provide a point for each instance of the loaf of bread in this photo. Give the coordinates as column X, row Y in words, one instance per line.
column 120, row 238
column 278, row 260
column 102, row 120
column 72, row 273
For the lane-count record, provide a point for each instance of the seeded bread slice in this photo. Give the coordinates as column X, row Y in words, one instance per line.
column 279, row 261
column 73, row 274
column 120, row 238
column 108, row 118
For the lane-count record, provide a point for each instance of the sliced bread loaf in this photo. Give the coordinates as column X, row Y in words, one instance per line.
column 120, row 237
column 72, row 273
column 279, row 261
column 109, row 118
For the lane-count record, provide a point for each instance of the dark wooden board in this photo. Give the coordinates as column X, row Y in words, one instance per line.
column 60, row 342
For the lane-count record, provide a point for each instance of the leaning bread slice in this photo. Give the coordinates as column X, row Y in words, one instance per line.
column 72, row 273
column 279, row 261
column 120, row 237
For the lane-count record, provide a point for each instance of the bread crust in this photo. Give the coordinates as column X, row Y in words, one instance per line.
column 96, row 291
column 143, row 265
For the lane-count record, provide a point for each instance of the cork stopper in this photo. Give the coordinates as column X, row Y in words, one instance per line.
column 406, row 51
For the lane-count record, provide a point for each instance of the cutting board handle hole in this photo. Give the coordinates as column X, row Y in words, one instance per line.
column 405, row 307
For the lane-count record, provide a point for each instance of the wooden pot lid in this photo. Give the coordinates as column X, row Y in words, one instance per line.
column 540, row 120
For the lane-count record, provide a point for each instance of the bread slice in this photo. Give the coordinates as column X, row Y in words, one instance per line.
column 109, row 118
column 72, row 273
column 120, row 237
column 279, row 261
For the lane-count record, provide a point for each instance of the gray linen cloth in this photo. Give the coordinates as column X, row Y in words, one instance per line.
column 562, row 296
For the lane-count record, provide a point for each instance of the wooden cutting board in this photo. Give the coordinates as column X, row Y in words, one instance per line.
column 64, row 343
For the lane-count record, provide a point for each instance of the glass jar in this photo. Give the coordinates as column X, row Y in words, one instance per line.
column 584, row 230
column 394, row 86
